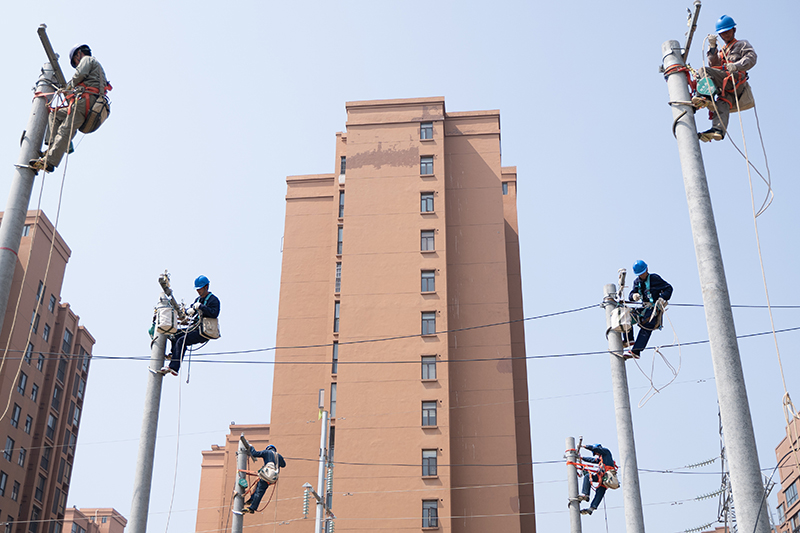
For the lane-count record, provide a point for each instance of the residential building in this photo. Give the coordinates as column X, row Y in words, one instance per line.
column 787, row 453
column 401, row 291
column 43, row 378
column 105, row 520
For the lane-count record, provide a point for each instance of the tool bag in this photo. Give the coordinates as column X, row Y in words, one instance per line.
column 209, row 328
column 269, row 472
column 97, row 115
column 610, row 479
column 621, row 319
column 165, row 320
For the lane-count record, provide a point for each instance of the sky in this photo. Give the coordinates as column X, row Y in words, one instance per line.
column 214, row 104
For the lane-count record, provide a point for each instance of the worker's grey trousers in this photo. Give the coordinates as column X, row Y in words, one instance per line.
column 65, row 127
column 719, row 120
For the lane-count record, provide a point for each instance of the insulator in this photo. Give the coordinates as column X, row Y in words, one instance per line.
column 305, row 503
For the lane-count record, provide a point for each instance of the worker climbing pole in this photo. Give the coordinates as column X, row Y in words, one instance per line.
column 747, row 485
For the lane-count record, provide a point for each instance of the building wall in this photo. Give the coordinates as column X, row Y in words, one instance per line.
column 52, row 359
column 376, row 422
column 106, row 520
column 788, row 499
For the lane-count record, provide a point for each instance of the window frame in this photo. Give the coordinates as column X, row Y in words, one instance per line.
column 430, row 413
column 339, row 239
column 337, row 283
column 790, row 494
column 427, row 281
column 426, row 131
column 337, row 310
column 428, row 362
column 428, row 323
column 426, row 165
column 426, row 200
column 427, row 240
column 430, row 464
column 430, row 514
column 341, row 203
column 335, row 358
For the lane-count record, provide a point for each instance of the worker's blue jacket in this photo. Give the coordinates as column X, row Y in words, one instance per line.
column 209, row 305
column 651, row 288
column 268, row 456
column 604, row 453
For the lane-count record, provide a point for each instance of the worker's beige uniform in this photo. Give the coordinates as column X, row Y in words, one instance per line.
column 743, row 58
column 89, row 73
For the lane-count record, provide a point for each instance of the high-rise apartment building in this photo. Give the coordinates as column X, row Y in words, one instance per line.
column 105, row 520
column 42, row 385
column 401, row 290
column 788, row 500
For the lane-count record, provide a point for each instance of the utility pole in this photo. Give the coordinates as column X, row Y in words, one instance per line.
column 740, row 441
column 572, row 487
column 632, row 496
column 237, row 524
column 323, row 445
column 143, row 477
column 22, row 183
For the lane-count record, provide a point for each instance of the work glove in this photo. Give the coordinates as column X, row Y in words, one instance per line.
column 190, row 311
column 712, row 41
column 196, row 306
column 661, row 303
column 731, row 67
column 636, row 297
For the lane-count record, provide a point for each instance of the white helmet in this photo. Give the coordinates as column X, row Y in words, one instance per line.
column 83, row 48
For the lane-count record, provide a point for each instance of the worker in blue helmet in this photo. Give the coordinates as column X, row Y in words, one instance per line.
column 205, row 306
column 605, row 477
column 654, row 293
column 728, row 72
column 268, row 474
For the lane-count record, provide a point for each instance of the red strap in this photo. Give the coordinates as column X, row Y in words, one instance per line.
column 9, row 249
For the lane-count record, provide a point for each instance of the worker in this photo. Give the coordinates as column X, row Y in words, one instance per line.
column 273, row 462
column 728, row 70
column 605, row 476
column 654, row 293
column 206, row 305
column 88, row 83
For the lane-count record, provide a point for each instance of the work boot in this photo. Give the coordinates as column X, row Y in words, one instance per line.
column 583, row 497
column 39, row 164
column 588, row 511
column 636, row 354
column 701, row 100
column 713, row 134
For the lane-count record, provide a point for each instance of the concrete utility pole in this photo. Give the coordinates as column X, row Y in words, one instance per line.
column 323, row 448
column 237, row 524
column 147, row 442
column 572, row 487
column 22, row 183
column 632, row 495
column 740, row 441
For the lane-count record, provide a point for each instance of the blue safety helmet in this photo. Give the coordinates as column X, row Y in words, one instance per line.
column 725, row 23
column 598, row 445
column 200, row 282
column 639, row 267
column 272, row 447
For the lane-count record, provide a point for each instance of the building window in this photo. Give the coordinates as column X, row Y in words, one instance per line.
column 505, row 188
column 61, row 467
column 45, row 462
column 428, row 367
column 795, row 523
column 429, row 323
column 23, row 382
column 428, row 414
column 333, row 400
column 336, row 308
column 28, row 424
column 15, row 491
column 35, row 322
column 427, row 240
column 426, row 202
column 430, row 513
column 81, row 388
column 342, row 164
column 429, row 463
column 15, row 413
column 426, row 130
column 56, row 500
column 28, row 352
column 62, row 367
column 34, row 392
column 51, row 306
column 791, row 495
column 335, row 365
column 9, row 522
column 26, row 230
column 67, row 471
column 339, row 240
column 428, row 281
column 38, row 493
column 85, row 361
column 56, row 403
column 76, row 418
column 33, row 525
column 341, row 203
column 66, row 346
column 337, row 287
column 21, row 459
column 426, row 165
column 3, row 483
column 55, row 527
column 50, row 432
column 72, row 440
column 40, row 360
column 46, row 332
column 9, row 448
column 40, row 291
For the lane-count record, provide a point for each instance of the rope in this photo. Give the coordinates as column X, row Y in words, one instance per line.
column 653, row 390
column 275, row 517
column 46, row 271
column 177, row 455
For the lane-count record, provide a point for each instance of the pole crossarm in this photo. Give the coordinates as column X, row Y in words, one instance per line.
column 52, row 57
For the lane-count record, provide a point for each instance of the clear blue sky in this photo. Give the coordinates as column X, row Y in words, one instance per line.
column 214, row 104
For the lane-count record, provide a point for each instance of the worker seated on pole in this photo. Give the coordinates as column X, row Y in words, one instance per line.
column 206, row 306
column 605, row 477
column 87, row 85
column 268, row 474
column 654, row 293
column 728, row 74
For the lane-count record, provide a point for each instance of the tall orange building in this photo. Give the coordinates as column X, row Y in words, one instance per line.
column 42, row 382
column 788, row 500
column 401, row 289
